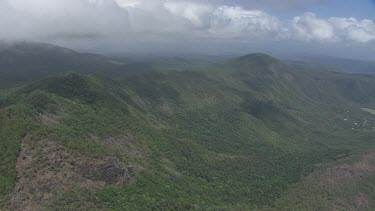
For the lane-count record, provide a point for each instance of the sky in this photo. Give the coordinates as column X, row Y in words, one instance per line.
column 344, row 28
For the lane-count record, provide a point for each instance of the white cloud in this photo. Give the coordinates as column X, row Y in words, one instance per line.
column 135, row 20
column 238, row 22
column 346, row 30
column 197, row 14
column 263, row 4
column 310, row 28
column 23, row 19
column 350, row 29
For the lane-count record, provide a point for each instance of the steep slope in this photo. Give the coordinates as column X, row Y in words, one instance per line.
column 234, row 135
column 344, row 185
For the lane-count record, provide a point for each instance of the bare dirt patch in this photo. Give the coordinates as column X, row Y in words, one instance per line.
column 345, row 172
column 362, row 201
column 341, row 176
column 45, row 168
column 345, row 185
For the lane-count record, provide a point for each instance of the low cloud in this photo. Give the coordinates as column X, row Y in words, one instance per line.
column 232, row 22
column 132, row 21
column 43, row 19
column 266, row 4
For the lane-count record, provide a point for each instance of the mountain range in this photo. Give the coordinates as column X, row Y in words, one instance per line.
column 88, row 132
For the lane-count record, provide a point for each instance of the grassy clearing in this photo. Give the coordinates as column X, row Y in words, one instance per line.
column 371, row 111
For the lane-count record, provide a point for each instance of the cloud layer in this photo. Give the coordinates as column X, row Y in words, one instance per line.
column 310, row 28
column 130, row 21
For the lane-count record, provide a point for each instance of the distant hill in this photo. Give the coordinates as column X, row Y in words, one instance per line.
column 337, row 64
column 248, row 133
column 24, row 61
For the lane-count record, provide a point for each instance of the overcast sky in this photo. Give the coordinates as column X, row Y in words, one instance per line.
column 333, row 27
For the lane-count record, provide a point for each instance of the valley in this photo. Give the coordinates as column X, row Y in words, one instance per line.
column 246, row 133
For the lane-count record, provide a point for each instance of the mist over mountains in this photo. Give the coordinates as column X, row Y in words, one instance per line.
column 182, row 26
column 24, row 61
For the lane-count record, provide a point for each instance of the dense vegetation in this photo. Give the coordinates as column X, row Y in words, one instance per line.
column 243, row 134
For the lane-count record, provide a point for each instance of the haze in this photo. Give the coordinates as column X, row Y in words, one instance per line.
column 336, row 28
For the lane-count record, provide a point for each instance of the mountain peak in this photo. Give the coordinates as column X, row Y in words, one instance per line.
column 258, row 61
column 258, row 57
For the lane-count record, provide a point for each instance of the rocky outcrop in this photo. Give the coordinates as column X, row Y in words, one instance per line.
column 45, row 168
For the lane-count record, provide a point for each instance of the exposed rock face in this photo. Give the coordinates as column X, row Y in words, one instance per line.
column 45, row 168
column 110, row 171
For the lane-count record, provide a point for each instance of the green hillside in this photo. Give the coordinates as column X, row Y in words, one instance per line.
column 243, row 134
column 22, row 62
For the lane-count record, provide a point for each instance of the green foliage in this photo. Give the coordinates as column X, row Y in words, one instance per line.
column 260, row 108
column 14, row 123
column 231, row 136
